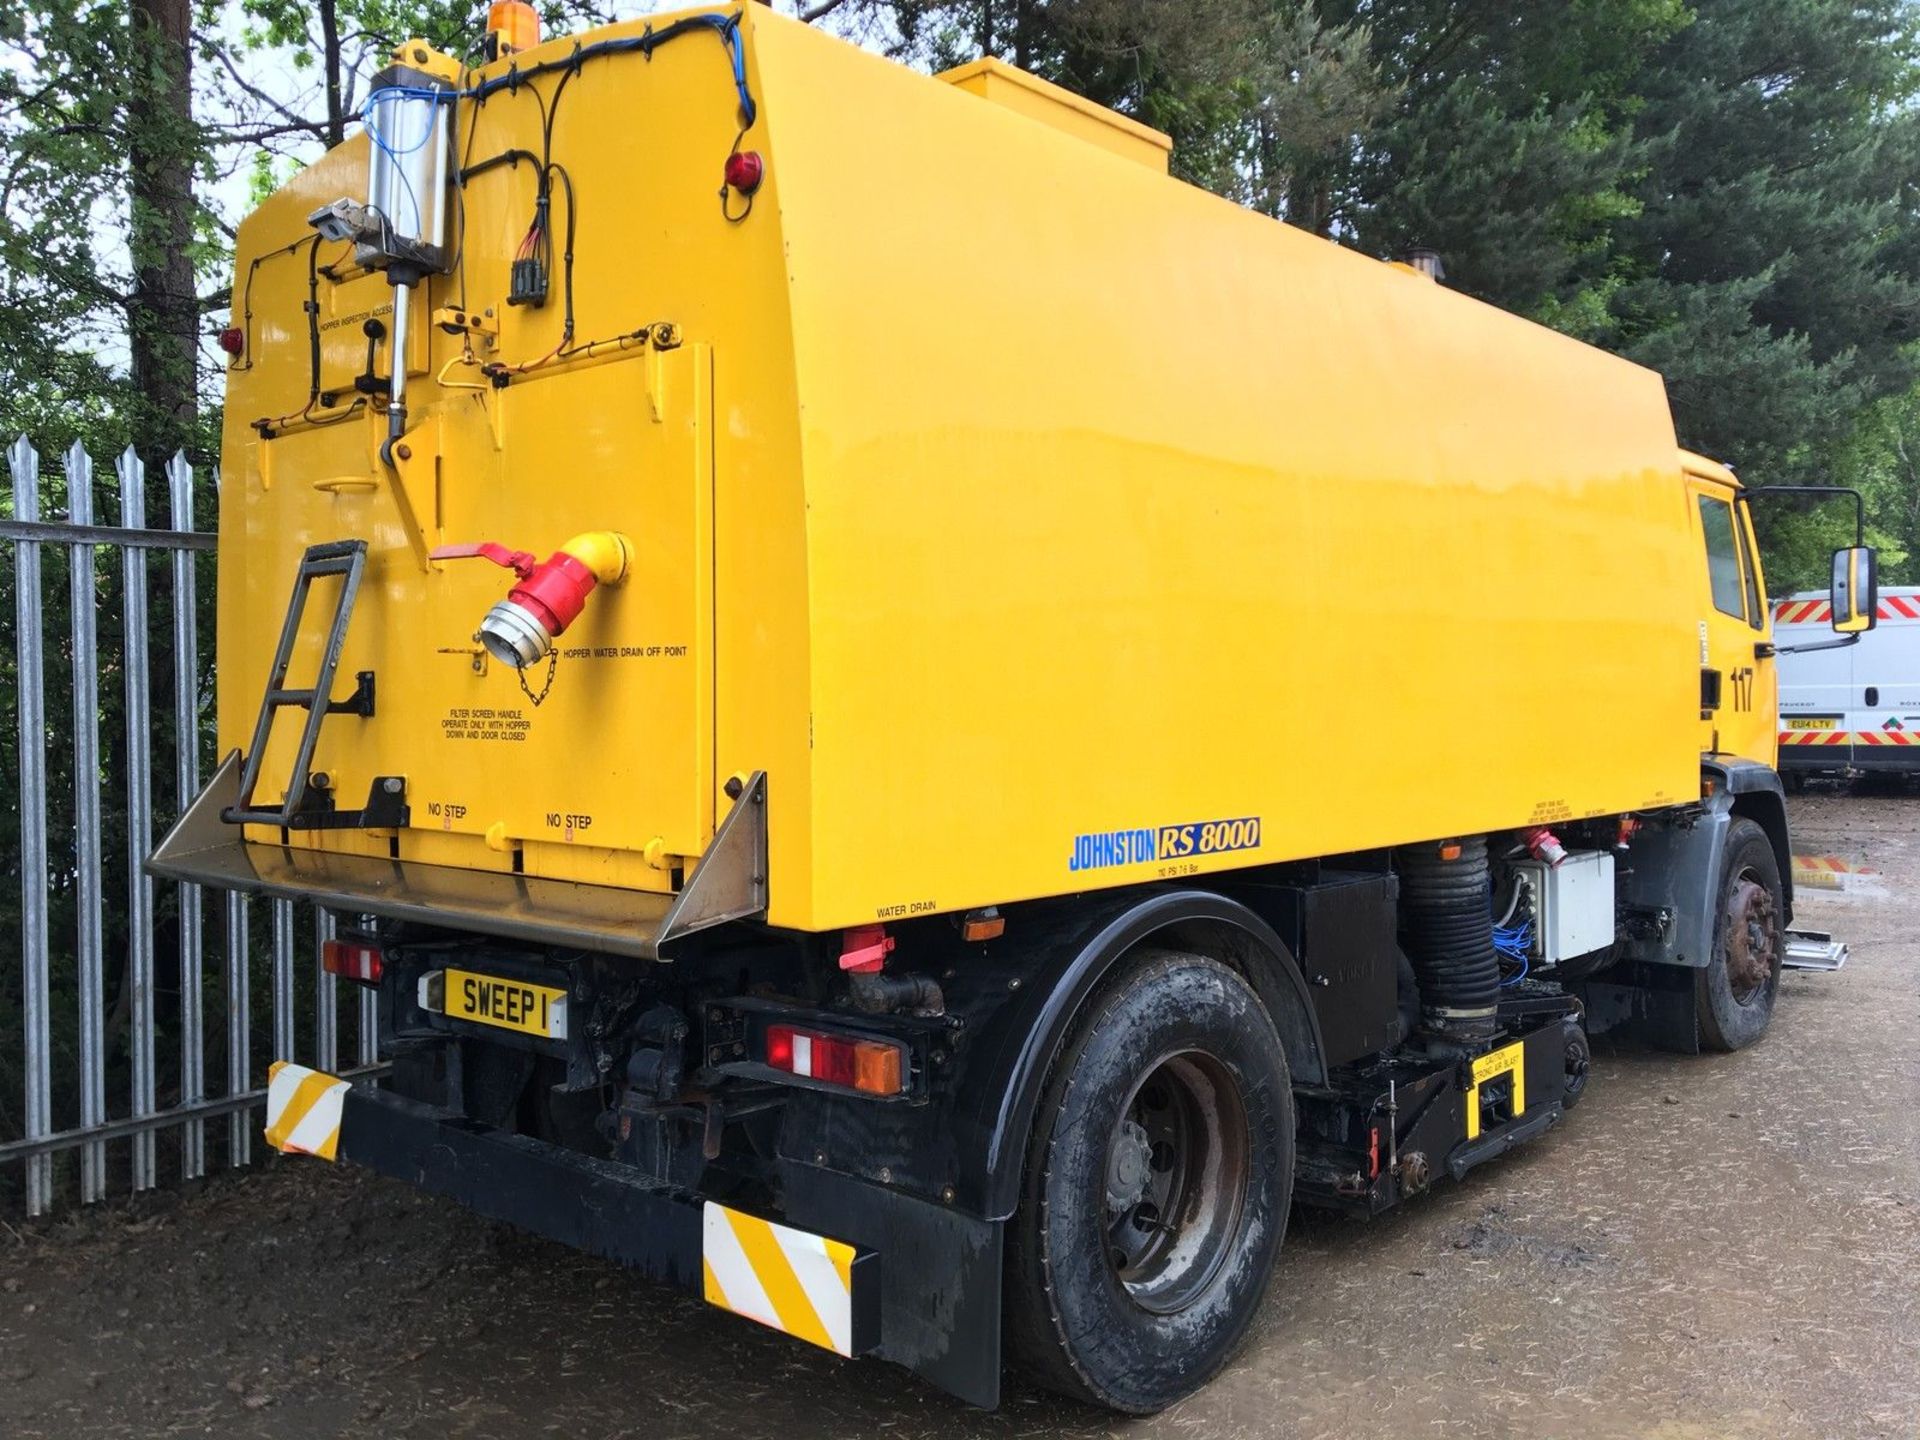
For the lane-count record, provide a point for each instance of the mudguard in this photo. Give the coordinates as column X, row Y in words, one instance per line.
column 1673, row 867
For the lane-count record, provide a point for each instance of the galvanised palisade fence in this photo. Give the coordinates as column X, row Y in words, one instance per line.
column 108, row 1070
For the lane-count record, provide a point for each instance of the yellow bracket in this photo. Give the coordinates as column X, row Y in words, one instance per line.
column 1508, row 1060
column 415, row 478
column 664, row 337
column 477, row 324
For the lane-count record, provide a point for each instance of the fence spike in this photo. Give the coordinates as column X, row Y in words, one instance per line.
column 29, row 679
column 186, row 720
column 90, row 927
column 139, row 779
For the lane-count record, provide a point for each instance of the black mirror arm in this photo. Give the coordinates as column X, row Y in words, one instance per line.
column 1844, row 640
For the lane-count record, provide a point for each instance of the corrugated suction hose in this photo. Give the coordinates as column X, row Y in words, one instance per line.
column 1446, row 929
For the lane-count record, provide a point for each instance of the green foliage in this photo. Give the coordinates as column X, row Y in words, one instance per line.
column 1772, row 267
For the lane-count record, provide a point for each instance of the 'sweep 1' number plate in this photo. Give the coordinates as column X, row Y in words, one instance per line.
column 507, row 1004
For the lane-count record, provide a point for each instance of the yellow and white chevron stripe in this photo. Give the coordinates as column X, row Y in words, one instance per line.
column 303, row 1110
column 792, row 1281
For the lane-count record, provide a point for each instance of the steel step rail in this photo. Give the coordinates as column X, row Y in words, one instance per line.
column 346, row 559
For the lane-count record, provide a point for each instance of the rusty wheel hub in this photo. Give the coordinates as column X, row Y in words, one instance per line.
column 1752, row 938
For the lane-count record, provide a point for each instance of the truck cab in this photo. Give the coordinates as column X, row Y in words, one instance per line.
column 1737, row 681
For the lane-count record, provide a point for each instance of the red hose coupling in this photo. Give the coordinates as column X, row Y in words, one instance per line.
column 1544, row 845
column 549, row 596
column 555, row 592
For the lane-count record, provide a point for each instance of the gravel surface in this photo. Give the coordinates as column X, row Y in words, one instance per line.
column 1712, row 1247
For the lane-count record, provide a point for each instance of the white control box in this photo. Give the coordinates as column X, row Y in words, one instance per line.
column 1572, row 905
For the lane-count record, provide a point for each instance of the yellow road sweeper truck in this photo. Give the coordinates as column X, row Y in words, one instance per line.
column 922, row 728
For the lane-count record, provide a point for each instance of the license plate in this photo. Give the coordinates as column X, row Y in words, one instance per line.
column 1811, row 722
column 506, row 1004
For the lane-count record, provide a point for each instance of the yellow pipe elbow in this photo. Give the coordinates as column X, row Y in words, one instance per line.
column 607, row 553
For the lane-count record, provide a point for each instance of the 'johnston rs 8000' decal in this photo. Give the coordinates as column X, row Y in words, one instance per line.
column 1105, row 848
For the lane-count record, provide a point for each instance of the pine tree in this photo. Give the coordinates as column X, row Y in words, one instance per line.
column 1771, row 271
column 1509, row 148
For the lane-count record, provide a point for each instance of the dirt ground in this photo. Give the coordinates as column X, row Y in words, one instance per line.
column 1712, row 1247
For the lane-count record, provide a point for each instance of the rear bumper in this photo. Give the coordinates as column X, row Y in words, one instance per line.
column 936, row 1310
column 817, row 1289
column 592, row 1205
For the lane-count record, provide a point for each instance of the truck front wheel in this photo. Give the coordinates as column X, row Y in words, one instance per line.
column 1156, row 1189
column 1734, row 994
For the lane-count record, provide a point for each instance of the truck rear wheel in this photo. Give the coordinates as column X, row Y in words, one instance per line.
column 1156, row 1189
column 1734, row 994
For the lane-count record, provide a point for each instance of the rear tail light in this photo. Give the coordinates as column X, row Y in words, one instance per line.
column 874, row 1067
column 353, row 960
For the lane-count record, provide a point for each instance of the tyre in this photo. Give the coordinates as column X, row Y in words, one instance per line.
column 1156, row 1189
column 1734, row 994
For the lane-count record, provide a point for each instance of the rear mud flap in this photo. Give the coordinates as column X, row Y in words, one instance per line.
column 939, row 1309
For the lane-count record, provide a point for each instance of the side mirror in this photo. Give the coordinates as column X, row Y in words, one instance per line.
column 1856, row 590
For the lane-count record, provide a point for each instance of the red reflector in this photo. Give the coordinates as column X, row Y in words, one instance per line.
column 233, row 340
column 780, row 1047
column 873, row 1066
column 352, row 960
column 833, row 1061
column 745, row 171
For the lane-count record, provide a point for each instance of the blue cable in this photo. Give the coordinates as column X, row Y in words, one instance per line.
column 404, row 92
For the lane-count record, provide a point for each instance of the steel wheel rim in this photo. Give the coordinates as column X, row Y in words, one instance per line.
column 1177, row 1168
column 1752, row 938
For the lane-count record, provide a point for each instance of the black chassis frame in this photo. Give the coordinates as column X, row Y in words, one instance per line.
column 1386, row 1130
column 925, row 1185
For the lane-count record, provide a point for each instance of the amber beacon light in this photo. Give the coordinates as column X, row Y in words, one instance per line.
column 550, row 595
column 512, row 26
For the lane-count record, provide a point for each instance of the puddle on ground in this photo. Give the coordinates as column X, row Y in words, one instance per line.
column 1836, row 874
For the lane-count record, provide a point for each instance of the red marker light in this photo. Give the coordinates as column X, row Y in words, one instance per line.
column 233, row 340
column 353, row 960
column 745, row 171
column 780, row 1047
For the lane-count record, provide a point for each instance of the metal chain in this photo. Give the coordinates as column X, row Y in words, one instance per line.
column 553, row 662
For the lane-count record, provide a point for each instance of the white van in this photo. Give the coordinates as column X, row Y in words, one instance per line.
column 1853, row 708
